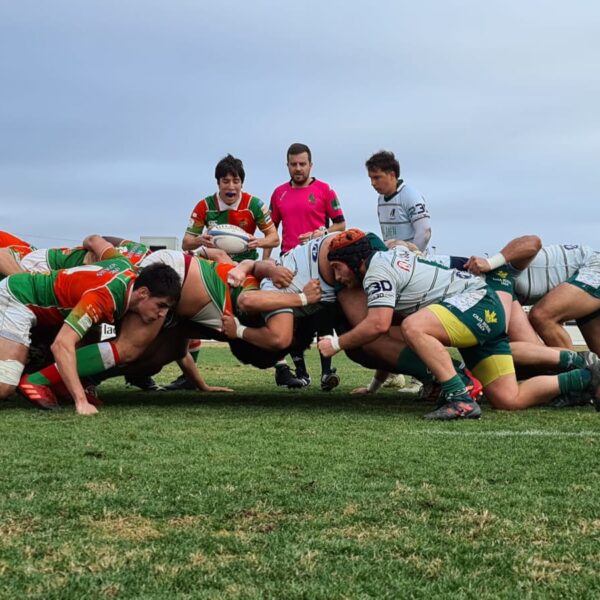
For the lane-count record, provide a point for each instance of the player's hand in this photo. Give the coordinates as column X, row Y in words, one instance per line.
column 477, row 265
column 252, row 242
column 312, row 291
column 361, row 391
column 311, row 235
column 393, row 243
column 85, row 408
column 229, row 326
column 236, row 276
column 282, row 277
column 325, row 346
column 205, row 240
column 216, row 388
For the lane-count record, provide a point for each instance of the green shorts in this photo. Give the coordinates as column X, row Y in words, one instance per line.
column 588, row 277
column 475, row 324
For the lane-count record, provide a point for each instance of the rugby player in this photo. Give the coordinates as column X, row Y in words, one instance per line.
column 79, row 298
column 233, row 206
column 206, row 295
column 12, row 250
column 441, row 307
column 401, row 209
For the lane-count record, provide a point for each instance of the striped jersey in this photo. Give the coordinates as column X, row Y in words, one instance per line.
column 401, row 280
column 552, row 266
column 398, row 212
column 81, row 297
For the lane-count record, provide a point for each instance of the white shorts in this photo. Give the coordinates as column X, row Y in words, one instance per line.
column 16, row 320
column 35, row 262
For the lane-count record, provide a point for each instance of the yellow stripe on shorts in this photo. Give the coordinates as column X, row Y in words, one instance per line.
column 460, row 335
column 493, row 367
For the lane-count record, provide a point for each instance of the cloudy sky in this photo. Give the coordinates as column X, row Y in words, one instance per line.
column 113, row 114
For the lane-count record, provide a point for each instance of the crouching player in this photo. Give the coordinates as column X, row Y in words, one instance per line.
column 441, row 307
column 79, row 298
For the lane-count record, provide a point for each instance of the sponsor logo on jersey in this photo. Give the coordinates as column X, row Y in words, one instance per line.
column 335, row 204
column 490, row 316
column 378, row 286
column 85, row 322
column 502, row 274
column 312, row 199
column 314, row 252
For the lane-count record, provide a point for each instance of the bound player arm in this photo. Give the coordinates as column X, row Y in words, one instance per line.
column 422, row 229
column 63, row 349
column 256, row 301
column 97, row 246
column 518, row 253
column 377, row 322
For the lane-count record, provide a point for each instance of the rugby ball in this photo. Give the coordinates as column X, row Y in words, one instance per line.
column 230, row 238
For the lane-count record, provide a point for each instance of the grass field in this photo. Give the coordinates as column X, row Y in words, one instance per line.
column 281, row 494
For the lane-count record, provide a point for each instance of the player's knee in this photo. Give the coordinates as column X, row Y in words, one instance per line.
column 539, row 316
column 503, row 400
column 410, row 328
column 281, row 339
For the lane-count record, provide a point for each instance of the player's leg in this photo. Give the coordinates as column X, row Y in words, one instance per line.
column 590, row 329
column 519, row 326
column 16, row 322
column 565, row 302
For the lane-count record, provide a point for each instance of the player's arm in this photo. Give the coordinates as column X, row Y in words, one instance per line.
column 518, row 253
column 8, row 264
column 97, row 246
column 271, row 239
column 422, row 229
column 377, row 322
column 63, row 348
column 257, row 301
column 191, row 371
column 276, row 334
column 193, row 241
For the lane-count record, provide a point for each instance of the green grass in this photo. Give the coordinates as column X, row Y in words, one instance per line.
column 273, row 493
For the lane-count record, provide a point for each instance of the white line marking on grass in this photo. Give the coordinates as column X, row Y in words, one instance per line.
column 526, row 433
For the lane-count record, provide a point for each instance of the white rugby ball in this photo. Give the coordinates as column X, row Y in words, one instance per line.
column 230, row 238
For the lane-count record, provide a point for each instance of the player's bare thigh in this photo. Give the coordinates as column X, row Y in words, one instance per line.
column 563, row 303
column 519, row 326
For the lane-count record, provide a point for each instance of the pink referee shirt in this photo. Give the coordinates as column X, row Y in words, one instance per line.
column 303, row 209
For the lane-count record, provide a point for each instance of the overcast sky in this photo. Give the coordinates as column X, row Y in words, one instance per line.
column 113, row 114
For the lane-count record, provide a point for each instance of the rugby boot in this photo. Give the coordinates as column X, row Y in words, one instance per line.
column 181, row 383
column 40, row 396
column 285, row 377
column 589, row 358
column 572, row 399
column 330, row 380
column 144, row 382
column 456, row 407
column 303, row 376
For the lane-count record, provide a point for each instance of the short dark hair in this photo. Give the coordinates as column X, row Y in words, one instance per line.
column 297, row 148
column 385, row 161
column 161, row 280
column 230, row 165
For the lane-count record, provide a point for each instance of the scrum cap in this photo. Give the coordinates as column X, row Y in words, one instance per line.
column 350, row 247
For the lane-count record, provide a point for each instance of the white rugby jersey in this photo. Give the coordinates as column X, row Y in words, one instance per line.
column 303, row 261
column 174, row 258
column 400, row 280
column 552, row 266
column 398, row 213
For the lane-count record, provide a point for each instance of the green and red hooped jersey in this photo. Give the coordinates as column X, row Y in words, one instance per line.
column 17, row 246
column 214, row 277
column 81, row 296
column 249, row 214
column 67, row 258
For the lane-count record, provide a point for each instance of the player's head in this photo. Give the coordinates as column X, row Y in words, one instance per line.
column 230, row 176
column 299, row 163
column 156, row 289
column 347, row 254
column 383, row 169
